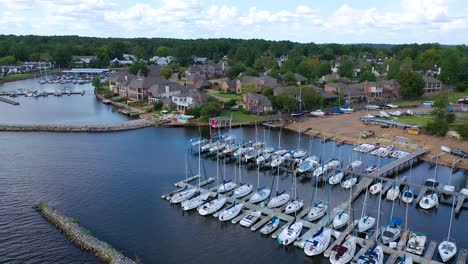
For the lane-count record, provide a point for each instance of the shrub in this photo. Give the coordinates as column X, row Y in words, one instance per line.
column 462, row 130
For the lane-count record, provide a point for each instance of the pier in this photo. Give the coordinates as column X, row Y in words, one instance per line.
column 114, row 127
column 82, row 237
column 8, row 101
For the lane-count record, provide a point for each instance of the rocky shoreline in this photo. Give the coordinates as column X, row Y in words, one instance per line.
column 82, row 237
column 122, row 126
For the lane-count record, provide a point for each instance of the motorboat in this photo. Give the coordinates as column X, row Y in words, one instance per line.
column 371, row 169
column 318, row 243
column 429, row 201
column 319, row 171
column 365, row 223
column 261, row 195
column 406, row 259
column 376, row 187
column 449, row 188
column 333, row 164
column 294, row 206
column 230, row 212
column 416, row 243
column 407, row 196
column 227, row 186
column 336, row 178
column 308, row 164
column 183, row 195
column 393, row 193
column 212, row 206
column 250, row 218
column 392, row 106
column 384, row 114
column 290, row 234
column 355, row 164
column 398, row 154
column 317, row 211
column 447, row 250
column 349, row 183
column 372, row 107
column 344, row 252
column 395, row 113
column 299, row 154
column 194, row 202
column 340, row 219
column 263, row 159
column 271, row 226
column 392, row 231
column 464, row 191
column 279, row 200
column 347, row 109
column 317, row 113
column 373, row 255
column 242, row 191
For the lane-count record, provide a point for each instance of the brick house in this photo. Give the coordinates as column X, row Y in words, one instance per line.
column 256, row 103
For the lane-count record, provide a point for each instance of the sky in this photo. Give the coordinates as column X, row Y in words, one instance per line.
column 319, row 21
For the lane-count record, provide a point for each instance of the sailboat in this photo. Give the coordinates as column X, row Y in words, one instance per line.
column 366, row 221
column 432, row 199
column 289, row 234
column 449, row 187
column 376, row 187
column 262, row 192
column 392, row 231
column 296, row 204
column 244, row 189
column 407, row 196
column 373, row 255
column 319, row 242
column 343, row 253
column 271, row 226
column 393, row 192
column 447, row 249
column 250, row 218
column 308, row 164
column 185, row 193
column 336, row 178
column 227, row 185
column 215, row 204
column 199, row 198
column 280, row 199
column 342, row 217
column 405, row 260
column 230, row 212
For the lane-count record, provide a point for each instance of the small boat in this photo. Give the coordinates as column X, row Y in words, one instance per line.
column 343, row 252
column 294, row 206
column 384, row 114
column 226, row 186
column 447, row 250
column 183, row 195
column 464, row 191
column 409, row 112
column 318, row 243
column 371, row 169
column 355, row 164
column 449, row 188
column 396, row 113
column 372, row 107
column 194, row 202
column 399, row 154
column 366, row 223
column 317, row 211
column 392, row 106
column 212, row 207
column 393, row 193
column 392, row 231
column 261, row 195
column 242, row 191
column 407, row 196
column 268, row 150
column 290, row 234
column 333, row 164
column 406, row 259
column 336, row 178
column 83, row 92
column 429, row 201
column 376, row 187
column 278, row 160
column 280, row 200
column 416, row 243
column 263, row 158
column 373, row 255
column 308, row 164
column 317, row 113
column 230, row 212
column 299, row 154
column 347, row 109
column 250, row 218
column 271, row 226
column 349, row 183
column 340, row 219
column 367, row 116
column 445, row 149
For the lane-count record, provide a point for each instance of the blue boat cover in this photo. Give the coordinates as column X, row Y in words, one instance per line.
column 395, row 221
column 318, row 232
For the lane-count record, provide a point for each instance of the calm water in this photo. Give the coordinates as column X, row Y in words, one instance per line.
column 74, row 109
column 113, row 182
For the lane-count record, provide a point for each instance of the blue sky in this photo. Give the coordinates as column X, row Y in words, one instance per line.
column 359, row 21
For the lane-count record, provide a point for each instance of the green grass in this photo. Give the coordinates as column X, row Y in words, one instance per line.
column 415, row 120
column 228, row 96
column 41, row 206
column 240, row 117
column 453, row 97
column 461, row 118
column 86, row 231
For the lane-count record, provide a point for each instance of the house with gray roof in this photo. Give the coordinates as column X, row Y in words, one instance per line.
column 256, row 103
column 189, row 99
column 198, row 81
column 229, row 86
column 432, row 85
column 256, row 83
column 299, row 79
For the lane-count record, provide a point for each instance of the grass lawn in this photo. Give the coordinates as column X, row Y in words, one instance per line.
column 461, row 118
column 415, row 120
column 240, row 117
column 453, row 97
column 228, row 95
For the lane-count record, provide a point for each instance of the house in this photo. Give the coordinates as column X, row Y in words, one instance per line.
column 135, row 87
column 194, row 70
column 138, row 87
column 328, row 97
column 256, row 103
column 373, row 89
column 117, row 62
column 434, row 71
column 129, row 57
column 162, row 60
column 432, row 85
column 229, row 86
column 83, row 61
column 391, row 88
column 256, row 83
column 189, row 99
column 281, row 59
column 299, row 79
column 329, row 77
column 166, row 89
column 355, row 92
column 211, row 70
column 199, row 60
column 198, row 81
column 118, row 82
column 335, row 87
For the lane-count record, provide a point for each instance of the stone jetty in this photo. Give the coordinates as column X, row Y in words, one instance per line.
column 82, row 237
column 113, row 127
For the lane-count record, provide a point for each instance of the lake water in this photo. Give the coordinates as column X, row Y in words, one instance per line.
column 113, row 182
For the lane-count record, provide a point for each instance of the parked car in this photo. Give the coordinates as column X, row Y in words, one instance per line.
column 459, row 153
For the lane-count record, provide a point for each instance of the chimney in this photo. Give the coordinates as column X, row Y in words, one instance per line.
column 388, row 67
column 126, row 77
column 439, row 71
column 167, row 90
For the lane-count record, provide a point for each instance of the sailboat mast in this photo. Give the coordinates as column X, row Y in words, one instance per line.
column 378, row 215
column 451, row 218
column 199, row 166
column 258, row 176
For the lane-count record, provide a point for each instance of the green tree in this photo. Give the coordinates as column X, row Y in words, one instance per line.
column 462, row 129
column 311, row 99
column 63, row 56
column 268, row 92
column 211, row 109
column 289, row 78
column 367, row 76
column 346, row 69
column 451, row 64
column 442, row 118
column 163, row 51
column 411, row 84
column 96, row 82
column 393, row 68
column 284, row 103
column 8, row 60
column 324, row 69
column 138, row 67
column 235, row 70
column 167, row 71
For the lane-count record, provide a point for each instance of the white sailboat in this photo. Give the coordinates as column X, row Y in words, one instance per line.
column 212, row 206
column 372, row 256
column 230, row 212
column 280, row 199
column 262, row 192
column 250, row 218
column 295, row 204
column 308, row 164
column 188, row 192
column 289, row 234
column 349, row 182
column 318, row 243
column 340, row 219
column 406, row 259
column 317, row 113
column 227, row 185
column 195, row 201
column 376, row 187
column 244, row 189
column 271, row 226
column 366, row 222
column 392, row 231
column 449, row 187
column 317, row 211
column 407, row 196
column 393, row 193
column 432, row 199
column 343, row 253
column 447, row 249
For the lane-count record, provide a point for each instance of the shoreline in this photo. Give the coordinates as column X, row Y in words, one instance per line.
column 22, row 78
column 81, row 237
column 104, row 128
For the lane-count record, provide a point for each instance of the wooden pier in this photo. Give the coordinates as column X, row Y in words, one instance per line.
column 430, row 250
column 8, row 101
column 462, row 256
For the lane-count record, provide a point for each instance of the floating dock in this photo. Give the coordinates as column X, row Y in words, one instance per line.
column 8, row 101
